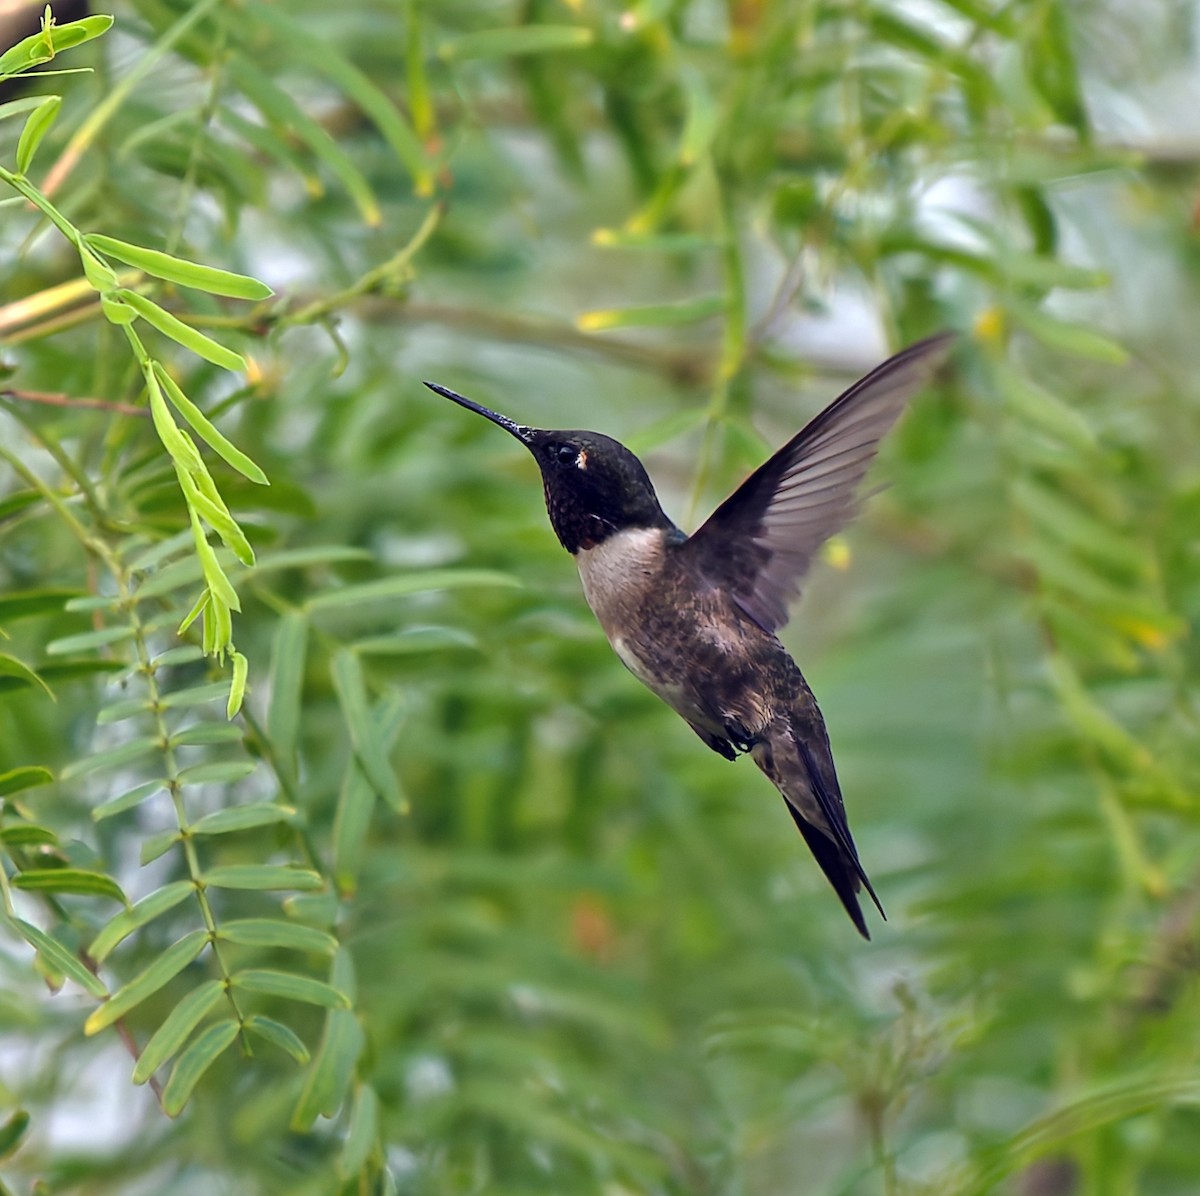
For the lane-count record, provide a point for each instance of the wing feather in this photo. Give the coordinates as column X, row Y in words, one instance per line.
column 760, row 541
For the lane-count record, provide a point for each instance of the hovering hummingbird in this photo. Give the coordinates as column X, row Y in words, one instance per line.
column 694, row 617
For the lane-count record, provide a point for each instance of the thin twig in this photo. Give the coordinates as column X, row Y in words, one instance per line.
column 57, row 399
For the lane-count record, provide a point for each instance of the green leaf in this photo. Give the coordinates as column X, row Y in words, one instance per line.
column 1068, row 338
column 36, row 127
column 270, row 932
column 183, row 334
column 101, row 278
column 322, row 56
column 290, row 120
column 329, row 1074
column 126, row 753
column 291, row 987
column 403, row 584
column 200, row 695
column 199, row 734
column 194, row 1062
column 1064, row 519
column 653, row 242
column 369, row 748
column 167, row 1041
column 361, row 1133
column 10, row 666
column 12, row 1131
column 287, row 683
column 177, row 269
column 519, row 39
column 223, row 772
column 21, row 604
column 119, row 711
column 152, row 558
column 352, row 819
column 204, row 428
column 652, row 315
column 1116, row 1103
column 176, row 656
column 237, row 685
column 703, row 118
column 145, row 984
column 318, row 554
column 69, row 880
column 156, row 846
column 116, row 310
column 278, row 1035
column 27, row 834
column 83, row 603
column 241, row 818
column 18, row 501
column 137, row 916
column 668, row 429
column 60, row 959
column 313, row 909
column 1044, row 409
column 171, row 577
column 127, row 800
column 88, row 640
column 32, row 50
column 24, row 104
column 30, row 777
column 262, row 876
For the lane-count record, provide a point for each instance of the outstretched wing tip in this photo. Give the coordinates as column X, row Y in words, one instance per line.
column 762, row 538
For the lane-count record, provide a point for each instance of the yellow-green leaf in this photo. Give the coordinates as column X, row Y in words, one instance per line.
column 652, row 315
column 180, row 270
column 204, row 428
column 237, row 685
column 36, row 127
column 518, row 39
column 183, row 334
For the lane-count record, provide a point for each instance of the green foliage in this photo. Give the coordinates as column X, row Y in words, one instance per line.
column 418, row 891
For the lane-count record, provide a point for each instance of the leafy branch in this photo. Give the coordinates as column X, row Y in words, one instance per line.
column 123, row 306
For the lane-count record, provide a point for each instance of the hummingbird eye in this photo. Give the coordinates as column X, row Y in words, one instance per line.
column 566, row 453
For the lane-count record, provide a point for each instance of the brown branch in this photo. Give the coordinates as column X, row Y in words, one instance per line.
column 55, row 399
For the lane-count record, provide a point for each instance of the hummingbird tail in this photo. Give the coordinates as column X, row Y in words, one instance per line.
column 794, row 754
column 827, row 853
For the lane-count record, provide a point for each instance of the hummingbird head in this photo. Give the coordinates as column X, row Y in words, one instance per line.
column 595, row 487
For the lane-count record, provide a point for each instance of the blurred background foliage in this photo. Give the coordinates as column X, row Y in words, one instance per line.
column 471, row 912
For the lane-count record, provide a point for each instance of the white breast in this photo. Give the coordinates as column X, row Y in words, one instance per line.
column 618, row 576
column 617, row 573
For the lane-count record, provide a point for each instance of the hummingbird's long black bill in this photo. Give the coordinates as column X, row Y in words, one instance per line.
column 520, row 431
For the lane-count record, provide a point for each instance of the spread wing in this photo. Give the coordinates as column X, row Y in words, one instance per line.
column 759, row 542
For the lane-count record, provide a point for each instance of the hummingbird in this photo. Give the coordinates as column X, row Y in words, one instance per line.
column 694, row 618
